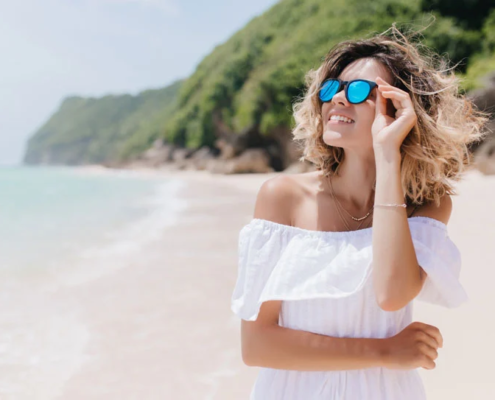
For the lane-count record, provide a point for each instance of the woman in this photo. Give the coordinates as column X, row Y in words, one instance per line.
column 331, row 261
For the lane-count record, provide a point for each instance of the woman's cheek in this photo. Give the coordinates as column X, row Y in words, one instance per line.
column 365, row 123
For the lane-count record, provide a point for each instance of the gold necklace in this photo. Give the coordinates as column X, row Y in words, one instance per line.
column 354, row 218
column 337, row 203
column 339, row 212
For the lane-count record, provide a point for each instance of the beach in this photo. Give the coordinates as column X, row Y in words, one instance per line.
column 161, row 327
column 158, row 326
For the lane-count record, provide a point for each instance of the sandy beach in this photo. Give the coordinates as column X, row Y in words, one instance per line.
column 162, row 328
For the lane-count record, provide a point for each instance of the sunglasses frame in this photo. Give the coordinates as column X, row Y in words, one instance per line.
column 346, row 84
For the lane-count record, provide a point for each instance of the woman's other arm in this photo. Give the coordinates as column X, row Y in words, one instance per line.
column 267, row 344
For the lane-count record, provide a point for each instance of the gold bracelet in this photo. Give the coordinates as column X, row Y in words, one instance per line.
column 390, row 205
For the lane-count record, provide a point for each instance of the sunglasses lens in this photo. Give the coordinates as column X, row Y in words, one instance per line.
column 328, row 89
column 358, row 91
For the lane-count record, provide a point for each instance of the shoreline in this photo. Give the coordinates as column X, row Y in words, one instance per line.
column 161, row 300
column 249, row 182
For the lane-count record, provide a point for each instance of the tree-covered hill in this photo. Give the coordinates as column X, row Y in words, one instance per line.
column 245, row 87
column 106, row 129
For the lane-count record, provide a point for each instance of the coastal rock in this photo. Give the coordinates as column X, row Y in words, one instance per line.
column 484, row 99
column 300, row 167
column 284, row 151
column 485, row 157
column 484, row 152
column 158, row 154
column 199, row 160
column 250, row 161
column 180, row 154
column 227, row 149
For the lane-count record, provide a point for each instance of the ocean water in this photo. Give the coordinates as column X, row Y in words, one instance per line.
column 61, row 227
column 57, row 219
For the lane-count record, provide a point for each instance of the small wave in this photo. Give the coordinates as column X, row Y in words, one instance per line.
column 125, row 246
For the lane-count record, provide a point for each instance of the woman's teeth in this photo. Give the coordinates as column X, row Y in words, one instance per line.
column 341, row 118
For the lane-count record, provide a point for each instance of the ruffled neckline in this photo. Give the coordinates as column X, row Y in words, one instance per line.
column 358, row 232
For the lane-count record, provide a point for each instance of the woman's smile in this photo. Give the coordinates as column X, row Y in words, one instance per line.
column 337, row 119
column 338, row 122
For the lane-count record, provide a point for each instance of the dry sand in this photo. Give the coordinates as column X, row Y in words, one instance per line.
column 163, row 329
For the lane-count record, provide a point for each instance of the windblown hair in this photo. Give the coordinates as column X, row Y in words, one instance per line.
column 436, row 149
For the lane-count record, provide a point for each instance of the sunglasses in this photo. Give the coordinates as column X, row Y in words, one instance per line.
column 356, row 91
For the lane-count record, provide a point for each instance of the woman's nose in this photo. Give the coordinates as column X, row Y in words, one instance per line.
column 339, row 98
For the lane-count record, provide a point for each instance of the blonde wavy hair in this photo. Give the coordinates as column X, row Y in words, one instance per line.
column 436, row 149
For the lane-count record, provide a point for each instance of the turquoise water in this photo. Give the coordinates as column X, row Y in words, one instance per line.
column 56, row 217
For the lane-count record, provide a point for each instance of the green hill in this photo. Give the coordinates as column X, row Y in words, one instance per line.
column 106, row 129
column 245, row 87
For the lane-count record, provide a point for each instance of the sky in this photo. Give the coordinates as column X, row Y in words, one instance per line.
column 52, row 49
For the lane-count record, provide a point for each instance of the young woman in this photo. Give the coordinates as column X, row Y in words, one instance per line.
column 331, row 261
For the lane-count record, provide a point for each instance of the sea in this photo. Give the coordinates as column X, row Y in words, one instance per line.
column 53, row 219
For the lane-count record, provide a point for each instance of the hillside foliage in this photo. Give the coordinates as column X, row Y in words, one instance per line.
column 250, row 81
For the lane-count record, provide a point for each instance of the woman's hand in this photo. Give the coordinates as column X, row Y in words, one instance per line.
column 415, row 346
column 389, row 132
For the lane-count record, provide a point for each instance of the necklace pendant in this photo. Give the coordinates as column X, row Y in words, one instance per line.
column 360, row 219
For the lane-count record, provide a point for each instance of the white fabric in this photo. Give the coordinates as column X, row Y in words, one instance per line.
column 324, row 281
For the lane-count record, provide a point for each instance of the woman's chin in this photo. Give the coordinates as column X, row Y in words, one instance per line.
column 332, row 137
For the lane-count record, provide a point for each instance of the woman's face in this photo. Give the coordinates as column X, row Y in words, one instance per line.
column 358, row 133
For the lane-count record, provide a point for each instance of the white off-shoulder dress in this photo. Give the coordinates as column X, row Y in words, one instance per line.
column 324, row 281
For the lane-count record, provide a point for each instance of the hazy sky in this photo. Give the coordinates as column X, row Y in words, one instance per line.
column 53, row 48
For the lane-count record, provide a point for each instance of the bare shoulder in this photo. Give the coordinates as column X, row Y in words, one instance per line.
column 276, row 198
column 441, row 213
column 274, row 202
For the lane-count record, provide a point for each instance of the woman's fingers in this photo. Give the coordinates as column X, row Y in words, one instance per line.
column 429, row 363
column 400, row 100
column 431, row 330
column 384, row 85
column 428, row 351
column 396, row 102
column 393, row 92
column 435, row 332
column 381, row 104
column 427, row 339
column 403, row 104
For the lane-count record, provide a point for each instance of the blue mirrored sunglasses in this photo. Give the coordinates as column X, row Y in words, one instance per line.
column 356, row 91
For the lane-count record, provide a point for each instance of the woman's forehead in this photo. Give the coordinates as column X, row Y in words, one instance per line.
column 365, row 68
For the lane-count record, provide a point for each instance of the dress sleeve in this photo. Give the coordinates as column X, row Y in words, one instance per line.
column 440, row 258
column 260, row 246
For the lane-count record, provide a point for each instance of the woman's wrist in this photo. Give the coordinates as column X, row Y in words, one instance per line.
column 375, row 350
column 386, row 155
column 381, row 352
column 388, row 164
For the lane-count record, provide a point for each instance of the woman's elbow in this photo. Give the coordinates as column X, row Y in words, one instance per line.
column 395, row 299
column 391, row 303
column 250, row 339
column 248, row 356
